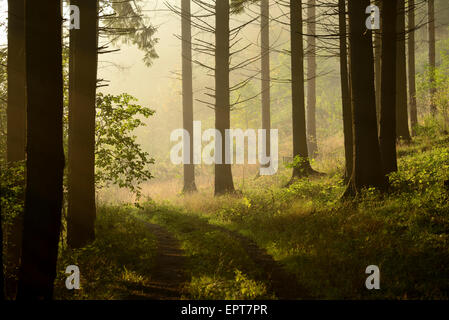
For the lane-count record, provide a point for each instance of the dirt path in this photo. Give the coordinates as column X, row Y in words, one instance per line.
column 283, row 284
column 168, row 276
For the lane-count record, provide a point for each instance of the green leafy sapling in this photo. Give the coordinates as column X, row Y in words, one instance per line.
column 119, row 159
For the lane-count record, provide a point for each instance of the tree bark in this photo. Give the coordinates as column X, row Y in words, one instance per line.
column 16, row 111
column 367, row 166
column 81, row 175
column 265, row 74
column 387, row 135
column 187, row 92
column 411, row 66
column 345, row 94
column 311, row 79
column 16, row 128
column 45, row 154
column 223, row 174
column 298, row 103
column 2, row 274
column 432, row 53
column 402, row 129
column 378, row 64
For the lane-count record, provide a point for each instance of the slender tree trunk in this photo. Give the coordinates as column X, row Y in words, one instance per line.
column 2, row 274
column 265, row 75
column 45, row 154
column 345, row 94
column 367, row 166
column 387, row 135
column 298, row 103
column 81, row 179
column 411, row 66
column 16, row 128
column 223, row 173
column 432, row 53
column 187, row 92
column 378, row 64
column 311, row 79
column 402, row 129
column 16, row 111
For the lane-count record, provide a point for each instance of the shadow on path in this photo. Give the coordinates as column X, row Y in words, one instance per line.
column 284, row 285
column 168, row 276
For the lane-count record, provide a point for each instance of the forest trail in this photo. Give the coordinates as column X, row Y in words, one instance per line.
column 168, row 276
column 280, row 282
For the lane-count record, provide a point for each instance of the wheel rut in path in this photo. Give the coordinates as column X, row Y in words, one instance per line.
column 283, row 284
column 168, row 276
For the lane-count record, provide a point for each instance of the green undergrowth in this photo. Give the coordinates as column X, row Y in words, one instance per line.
column 218, row 266
column 323, row 242
column 327, row 243
column 116, row 264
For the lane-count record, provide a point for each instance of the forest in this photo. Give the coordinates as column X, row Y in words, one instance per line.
column 224, row 150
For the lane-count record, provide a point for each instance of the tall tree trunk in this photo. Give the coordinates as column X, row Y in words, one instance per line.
column 265, row 74
column 2, row 274
column 187, row 92
column 387, row 135
column 16, row 128
column 311, row 78
column 45, row 154
column 81, row 177
column 16, row 111
column 402, row 129
column 223, row 173
column 367, row 166
column 345, row 94
column 298, row 104
column 432, row 53
column 411, row 66
column 378, row 64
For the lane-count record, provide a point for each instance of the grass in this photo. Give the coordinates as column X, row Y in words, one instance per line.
column 116, row 264
column 218, row 266
column 323, row 242
column 121, row 259
column 327, row 243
